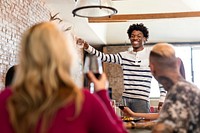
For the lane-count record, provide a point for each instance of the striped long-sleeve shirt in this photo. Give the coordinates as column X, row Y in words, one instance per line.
column 136, row 72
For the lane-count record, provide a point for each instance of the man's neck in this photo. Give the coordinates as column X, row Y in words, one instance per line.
column 169, row 80
column 138, row 49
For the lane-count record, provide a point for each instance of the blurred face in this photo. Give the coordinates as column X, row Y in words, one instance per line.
column 137, row 40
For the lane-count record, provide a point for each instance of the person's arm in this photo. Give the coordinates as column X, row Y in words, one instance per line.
column 101, row 116
column 110, row 58
column 162, row 128
column 107, row 116
column 145, row 125
column 99, row 86
column 151, row 116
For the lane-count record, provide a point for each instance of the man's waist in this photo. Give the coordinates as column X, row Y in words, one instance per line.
column 136, row 96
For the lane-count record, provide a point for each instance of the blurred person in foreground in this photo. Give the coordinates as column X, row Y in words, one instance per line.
column 43, row 98
column 181, row 109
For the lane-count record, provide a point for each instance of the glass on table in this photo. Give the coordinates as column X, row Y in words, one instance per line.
column 121, row 104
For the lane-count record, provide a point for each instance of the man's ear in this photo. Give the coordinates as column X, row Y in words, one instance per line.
column 178, row 62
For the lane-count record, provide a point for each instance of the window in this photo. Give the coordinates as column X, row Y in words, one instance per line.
column 195, row 66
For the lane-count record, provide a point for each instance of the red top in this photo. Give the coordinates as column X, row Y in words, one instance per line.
column 97, row 116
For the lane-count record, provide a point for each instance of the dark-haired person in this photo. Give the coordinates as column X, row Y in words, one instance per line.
column 10, row 75
column 136, row 71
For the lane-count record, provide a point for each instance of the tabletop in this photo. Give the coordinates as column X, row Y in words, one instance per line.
column 141, row 126
column 139, row 130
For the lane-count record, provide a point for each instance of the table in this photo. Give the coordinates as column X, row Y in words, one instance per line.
column 142, row 126
column 139, row 131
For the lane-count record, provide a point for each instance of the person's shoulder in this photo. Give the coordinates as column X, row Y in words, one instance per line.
column 90, row 100
column 185, row 87
column 188, row 86
column 5, row 94
column 87, row 94
column 85, row 91
column 124, row 53
column 6, row 91
column 147, row 49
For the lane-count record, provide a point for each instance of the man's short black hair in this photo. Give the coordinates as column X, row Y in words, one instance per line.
column 139, row 27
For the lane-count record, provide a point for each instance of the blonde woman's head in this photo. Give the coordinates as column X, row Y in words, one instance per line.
column 43, row 80
column 46, row 57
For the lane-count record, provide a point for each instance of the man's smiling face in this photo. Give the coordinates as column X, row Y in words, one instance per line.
column 137, row 40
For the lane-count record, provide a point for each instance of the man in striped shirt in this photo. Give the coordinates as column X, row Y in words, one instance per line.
column 135, row 66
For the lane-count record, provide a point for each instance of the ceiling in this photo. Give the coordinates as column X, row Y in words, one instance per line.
column 162, row 17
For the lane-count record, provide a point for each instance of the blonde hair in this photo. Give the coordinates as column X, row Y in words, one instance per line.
column 164, row 55
column 43, row 81
column 164, row 50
